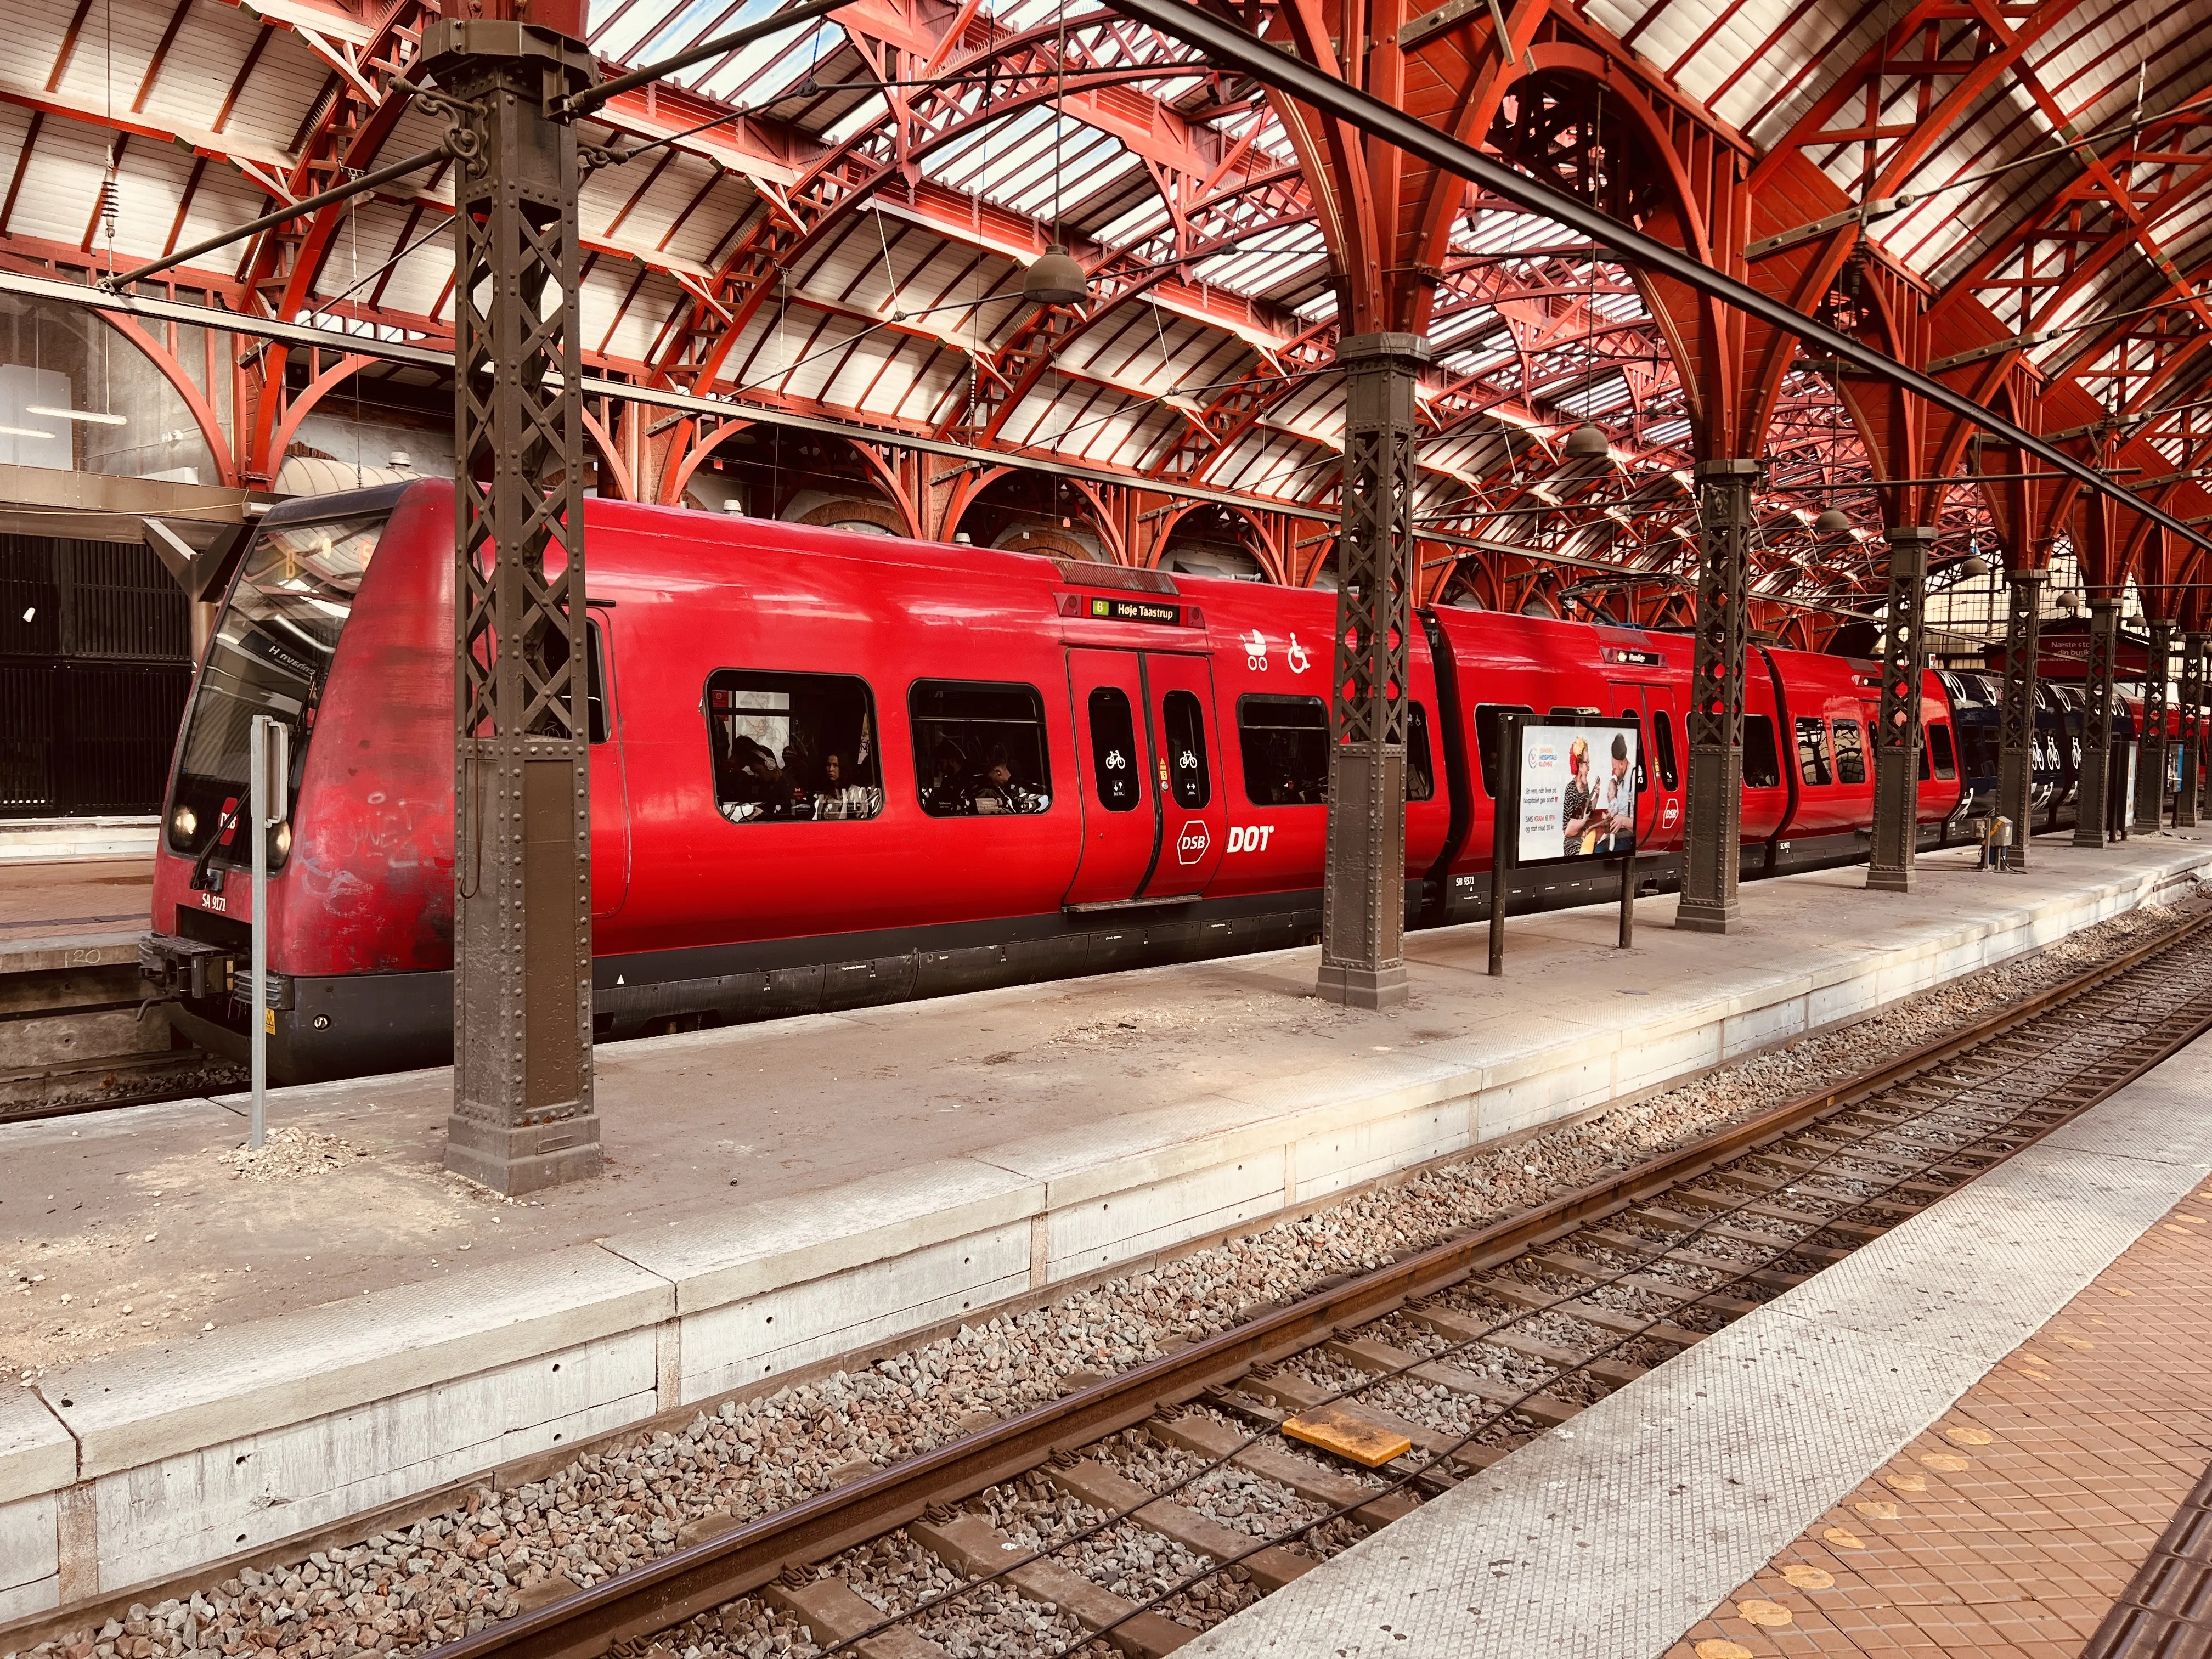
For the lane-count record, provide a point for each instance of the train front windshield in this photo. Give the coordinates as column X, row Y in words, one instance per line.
column 271, row 656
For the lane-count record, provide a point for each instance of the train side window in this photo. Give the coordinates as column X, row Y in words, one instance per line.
column 1485, row 738
column 1420, row 780
column 1114, row 770
column 1812, row 749
column 1947, row 763
column 595, row 691
column 1850, row 758
column 791, row 747
column 1663, row 740
column 979, row 748
column 1184, row 721
column 1284, row 741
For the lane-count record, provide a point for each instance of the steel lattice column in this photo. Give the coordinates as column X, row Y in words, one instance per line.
column 1363, row 887
column 523, row 1115
column 2089, row 791
column 2150, row 761
column 2192, row 730
column 1897, row 749
column 2016, row 708
column 1711, row 852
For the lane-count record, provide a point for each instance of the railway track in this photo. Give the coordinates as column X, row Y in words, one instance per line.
column 1350, row 1406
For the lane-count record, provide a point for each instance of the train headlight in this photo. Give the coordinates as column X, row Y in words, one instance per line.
column 187, row 822
column 282, row 843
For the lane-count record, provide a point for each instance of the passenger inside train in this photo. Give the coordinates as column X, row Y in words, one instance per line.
column 986, row 748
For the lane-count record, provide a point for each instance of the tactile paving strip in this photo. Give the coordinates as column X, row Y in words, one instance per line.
column 1618, row 1533
column 2166, row 1609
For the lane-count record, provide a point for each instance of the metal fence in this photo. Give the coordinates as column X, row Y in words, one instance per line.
column 95, row 668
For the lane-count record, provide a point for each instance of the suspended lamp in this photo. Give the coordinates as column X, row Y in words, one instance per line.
column 1832, row 522
column 1055, row 279
column 1974, row 565
column 1588, row 442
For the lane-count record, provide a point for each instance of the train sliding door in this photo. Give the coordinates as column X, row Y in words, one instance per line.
column 1658, row 766
column 1149, row 755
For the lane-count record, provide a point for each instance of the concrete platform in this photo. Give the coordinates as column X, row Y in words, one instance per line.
column 1796, row 1436
column 243, row 1362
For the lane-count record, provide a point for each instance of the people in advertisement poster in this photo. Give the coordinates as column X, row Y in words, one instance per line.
column 1615, row 817
column 1577, row 792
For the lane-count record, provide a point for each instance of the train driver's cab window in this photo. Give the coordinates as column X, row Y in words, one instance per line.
column 1813, row 750
column 1285, row 750
column 979, row 748
column 1486, row 722
column 791, row 747
column 1939, row 744
column 1420, row 776
column 1762, row 765
column 595, row 687
column 1851, row 758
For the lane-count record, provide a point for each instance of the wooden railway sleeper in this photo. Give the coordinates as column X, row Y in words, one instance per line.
column 1196, row 1432
column 1106, row 1488
column 1777, row 1278
column 1813, row 1223
column 1453, row 1328
column 1270, row 1399
column 1650, row 1284
column 1590, row 1313
column 1652, row 1215
column 1549, row 1410
column 968, row 1543
column 833, row 1611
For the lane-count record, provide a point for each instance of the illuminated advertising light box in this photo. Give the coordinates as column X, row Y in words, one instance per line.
column 1576, row 798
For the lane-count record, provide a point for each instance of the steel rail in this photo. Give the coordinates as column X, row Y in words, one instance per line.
column 1226, row 44
column 696, row 1579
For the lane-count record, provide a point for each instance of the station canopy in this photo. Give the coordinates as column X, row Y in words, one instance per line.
column 836, row 222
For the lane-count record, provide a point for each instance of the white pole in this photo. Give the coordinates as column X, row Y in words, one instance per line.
column 266, row 765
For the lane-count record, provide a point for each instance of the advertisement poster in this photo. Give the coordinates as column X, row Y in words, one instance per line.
column 1577, row 791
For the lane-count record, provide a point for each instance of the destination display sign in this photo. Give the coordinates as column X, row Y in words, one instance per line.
column 1137, row 611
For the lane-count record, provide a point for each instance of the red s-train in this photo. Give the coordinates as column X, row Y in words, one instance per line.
column 830, row 769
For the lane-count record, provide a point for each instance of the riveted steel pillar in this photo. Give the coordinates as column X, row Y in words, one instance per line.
column 1897, row 749
column 2016, row 708
column 523, row 1115
column 2192, row 730
column 2150, row 759
column 1364, row 887
column 1711, row 851
column 2090, row 807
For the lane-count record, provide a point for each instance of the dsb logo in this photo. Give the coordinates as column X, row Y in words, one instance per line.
column 1191, row 845
column 1251, row 837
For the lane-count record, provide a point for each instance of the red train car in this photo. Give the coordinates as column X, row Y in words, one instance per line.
column 1015, row 768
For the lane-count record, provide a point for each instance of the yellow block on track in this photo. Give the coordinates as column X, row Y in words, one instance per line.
column 1347, row 1434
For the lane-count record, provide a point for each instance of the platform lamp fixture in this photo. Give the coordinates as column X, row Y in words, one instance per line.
column 1054, row 278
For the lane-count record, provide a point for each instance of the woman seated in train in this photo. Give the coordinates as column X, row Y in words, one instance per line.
column 844, row 797
column 1000, row 792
